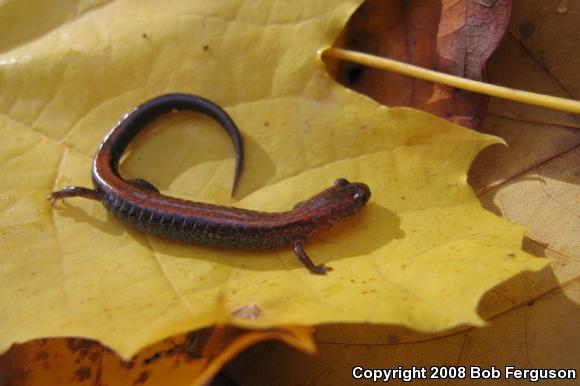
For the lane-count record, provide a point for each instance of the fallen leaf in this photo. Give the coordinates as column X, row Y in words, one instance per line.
column 421, row 255
column 186, row 360
column 455, row 37
column 515, row 338
column 533, row 318
column 536, row 183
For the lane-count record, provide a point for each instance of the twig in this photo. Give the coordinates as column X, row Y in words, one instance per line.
column 531, row 98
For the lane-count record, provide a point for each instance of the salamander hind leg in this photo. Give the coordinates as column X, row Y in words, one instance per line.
column 143, row 185
column 320, row 269
column 74, row 191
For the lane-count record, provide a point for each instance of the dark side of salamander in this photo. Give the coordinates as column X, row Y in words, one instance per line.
column 139, row 204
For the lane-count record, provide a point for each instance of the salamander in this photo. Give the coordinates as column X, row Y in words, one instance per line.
column 140, row 204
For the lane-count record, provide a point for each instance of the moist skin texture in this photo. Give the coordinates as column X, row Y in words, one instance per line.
column 139, row 204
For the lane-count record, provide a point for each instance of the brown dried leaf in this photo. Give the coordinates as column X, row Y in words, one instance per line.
column 185, row 360
column 456, row 37
column 535, row 182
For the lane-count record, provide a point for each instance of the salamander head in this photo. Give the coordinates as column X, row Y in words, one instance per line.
column 357, row 193
column 340, row 202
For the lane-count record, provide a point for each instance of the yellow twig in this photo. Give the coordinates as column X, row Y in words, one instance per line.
column 455, row 81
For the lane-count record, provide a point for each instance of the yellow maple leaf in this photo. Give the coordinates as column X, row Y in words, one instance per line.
column 421, row 254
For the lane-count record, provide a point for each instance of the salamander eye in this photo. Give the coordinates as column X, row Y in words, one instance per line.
column 361, row 196
column 341, row 182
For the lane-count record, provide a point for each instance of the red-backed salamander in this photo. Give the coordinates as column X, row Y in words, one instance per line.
column 138, row 203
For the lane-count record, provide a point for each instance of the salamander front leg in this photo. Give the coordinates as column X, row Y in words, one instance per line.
column 74, row 191
column 308, row 263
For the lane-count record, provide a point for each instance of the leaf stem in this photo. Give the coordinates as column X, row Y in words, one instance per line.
column 531, row 98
